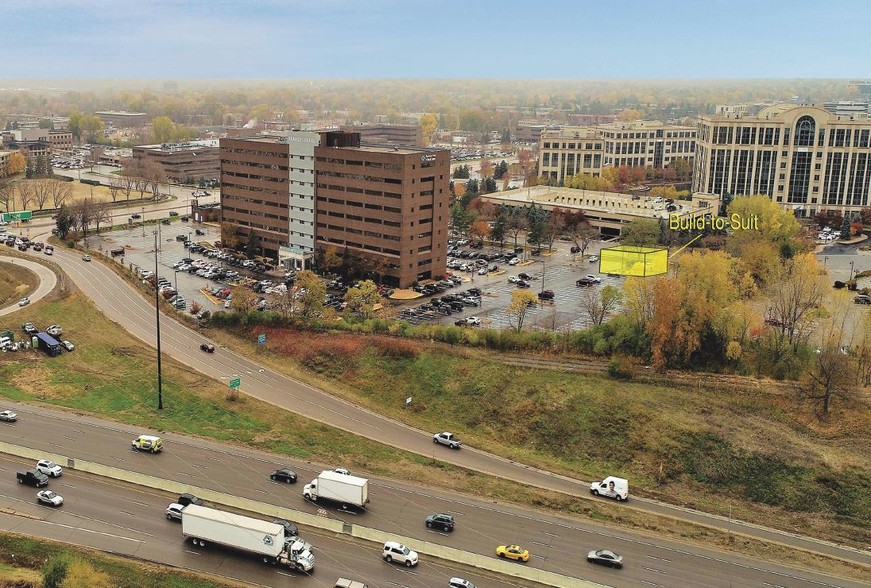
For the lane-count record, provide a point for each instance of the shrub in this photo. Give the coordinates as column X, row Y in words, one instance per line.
column 621, row 368
column 54, row 571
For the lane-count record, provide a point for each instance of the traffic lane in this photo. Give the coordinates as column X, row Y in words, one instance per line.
column 554, row 542
column 47, row 282
column 122, row 518
column 125, row 305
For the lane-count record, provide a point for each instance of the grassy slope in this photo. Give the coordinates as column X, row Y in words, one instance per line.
column 111, row 375
column 15, row 281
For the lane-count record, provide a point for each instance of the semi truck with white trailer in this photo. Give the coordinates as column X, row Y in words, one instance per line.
column 339, row 488
column 203, row 525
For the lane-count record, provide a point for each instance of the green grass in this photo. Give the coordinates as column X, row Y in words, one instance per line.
column 24, row 557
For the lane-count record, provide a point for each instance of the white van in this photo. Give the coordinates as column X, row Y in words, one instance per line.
column 612, row 487
column 148, row 443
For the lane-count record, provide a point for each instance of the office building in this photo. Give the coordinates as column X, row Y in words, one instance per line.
column 387, row 206
column 587, row 150
column 122, row 119
column 185, row 162
column 804, row 157
column 388, row 134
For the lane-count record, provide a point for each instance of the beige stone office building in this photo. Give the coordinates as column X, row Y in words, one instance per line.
column 803, row 157
column 587, row 150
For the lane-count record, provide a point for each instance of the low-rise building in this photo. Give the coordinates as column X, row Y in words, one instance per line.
column 122, row 119
column 186, row 162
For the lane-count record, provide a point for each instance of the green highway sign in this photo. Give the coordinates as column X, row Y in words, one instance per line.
column 235, row 382
column 16, row 216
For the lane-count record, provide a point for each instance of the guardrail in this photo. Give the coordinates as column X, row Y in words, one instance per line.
column 483, row 562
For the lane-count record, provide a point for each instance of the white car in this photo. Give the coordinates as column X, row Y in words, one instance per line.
column 49, row 468
column 67, row 345
column 593, row 258
column 593, row 278
column 399, row 553
column 473, row 320
column 482, row 271
column 50, row 498
column 8, row 416
column 24, row 301
column 513, row 279
column 54, row 330
column 342, row 471
column 513, row 261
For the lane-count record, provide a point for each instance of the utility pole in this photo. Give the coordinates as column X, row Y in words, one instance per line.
column 157, row 310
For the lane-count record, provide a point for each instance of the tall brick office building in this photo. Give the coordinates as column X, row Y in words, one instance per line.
column 384, row 206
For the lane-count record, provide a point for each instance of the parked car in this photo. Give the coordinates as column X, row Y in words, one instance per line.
column 447, row 439
column 29, row 328
column 474, row 321
column 514, row 552
column 441, row 520
column 862, row 299
column 285, row 475
column 200, row 232
column 522, row 284
column 7, row 416
column 594, row 279
column 49, row 468
column 54, row 330
column 605, row 557
column 67, row 345
column 513, row 261
column 135, row 215
column 546, row 295
column 593, row 258
column 207, row 347
column 585, row 282
column 50, row 498
column 173, row 213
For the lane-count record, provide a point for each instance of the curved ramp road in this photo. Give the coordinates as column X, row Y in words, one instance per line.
column 121, row 303
column 47, row 281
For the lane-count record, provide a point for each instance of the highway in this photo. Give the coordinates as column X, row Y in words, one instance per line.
column 128, row 520
column 557, row 544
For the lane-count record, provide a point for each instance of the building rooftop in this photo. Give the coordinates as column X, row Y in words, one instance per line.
column 188, row 146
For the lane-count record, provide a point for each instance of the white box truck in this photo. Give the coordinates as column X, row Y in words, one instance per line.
column 340, row 488
column 203, row 525
column 612, row 487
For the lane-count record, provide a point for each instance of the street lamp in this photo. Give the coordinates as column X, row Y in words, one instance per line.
column 143, row 221
column 825, row 260
column 851, row 270
column 157, row 310
column 543, row 269
column 176, row 280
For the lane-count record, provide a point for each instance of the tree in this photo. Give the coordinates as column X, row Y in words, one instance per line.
column 497, row 231
column 796, row 292
column 229, row 236
column 501, row 170
column 554, row 226
column 517, row 222
column 332, row 260
column 60, row 191
column 461, row 172
column 7, row 195
column 471, row 192
column 845, row 228
column 640, row 300
column 75, row 125
column 489, row 186
column 41, row 192
column 640, row 233
column 461, row 220
column 16, row 163
column 92, row 127
column 428, row 123
column 598, row 304
column 114, row 188
column 479, row 230
column 65, row 221
column 776, row 225
column 313, row 292
column 162, row 129
column 487, row 168
column 243, row 300
column 683, row 171
column 153, row 174
column 521, row 301
column 252, row 248
column 361, row 301
column 25, row 193
column 102, row 214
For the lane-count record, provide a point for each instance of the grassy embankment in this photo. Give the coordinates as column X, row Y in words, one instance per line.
column 22, row 558
column 15, row 282
column 577, row 424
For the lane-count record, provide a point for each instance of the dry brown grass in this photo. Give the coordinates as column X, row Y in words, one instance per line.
column 15, row 281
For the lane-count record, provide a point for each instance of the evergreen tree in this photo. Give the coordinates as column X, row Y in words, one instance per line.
column 497, row 232
column 845, row 228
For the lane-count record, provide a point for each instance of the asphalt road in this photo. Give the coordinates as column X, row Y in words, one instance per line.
column 557, row 544
column 129, row 520
column 47, row 281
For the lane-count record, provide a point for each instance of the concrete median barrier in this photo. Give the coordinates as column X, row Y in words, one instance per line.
column 424, row 548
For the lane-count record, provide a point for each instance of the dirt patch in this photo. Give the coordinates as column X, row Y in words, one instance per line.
column 15, row 282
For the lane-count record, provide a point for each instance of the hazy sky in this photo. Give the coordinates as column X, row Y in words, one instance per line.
column 566, row 39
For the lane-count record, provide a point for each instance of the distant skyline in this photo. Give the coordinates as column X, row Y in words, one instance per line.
column 504, row 39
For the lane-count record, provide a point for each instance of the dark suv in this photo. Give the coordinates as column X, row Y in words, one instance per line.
column 32, row 478
column 441, row 520
column 186, row 499
column 546, row 295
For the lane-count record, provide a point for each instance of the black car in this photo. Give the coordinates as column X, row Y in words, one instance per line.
column 283, row 475
column 862, row 299
column 474, row 291
column 173, row 213
column 166, row 221
column 546, row 295
column 585, row 282
column 186, row 499
column 442, row 520
column 135, row 215
column 207, row 347
column 200, row 232
column 290, row 529
column 522, row 284
column 524, row 276
column 185, row 219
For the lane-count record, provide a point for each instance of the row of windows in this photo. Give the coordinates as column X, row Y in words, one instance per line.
column 394, row 195
column 355, row 162
column 361, row 177
column 254, row 164
column 255, row 152
column 251, row 177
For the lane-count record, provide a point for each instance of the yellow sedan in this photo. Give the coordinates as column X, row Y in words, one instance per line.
column 514, row 552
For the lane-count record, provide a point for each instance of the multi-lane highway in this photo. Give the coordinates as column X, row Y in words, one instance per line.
column 558, row 544
column 128, row 520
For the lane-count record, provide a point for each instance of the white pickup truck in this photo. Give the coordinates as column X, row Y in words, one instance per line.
column 447, row 439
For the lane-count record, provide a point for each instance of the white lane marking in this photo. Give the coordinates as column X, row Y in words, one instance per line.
column 94, row 532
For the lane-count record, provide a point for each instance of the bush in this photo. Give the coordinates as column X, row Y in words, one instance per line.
column 54, row 571
column 621, row 368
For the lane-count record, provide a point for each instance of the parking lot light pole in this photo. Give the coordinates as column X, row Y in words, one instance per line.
column 543, row 269
column 851, row 271
column 157, row 310
column 176, row 280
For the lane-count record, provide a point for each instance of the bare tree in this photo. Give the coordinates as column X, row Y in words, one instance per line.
column 83, row 213
column 796, row 293
column 41, row 192
column 60, row 192
column 7, row 195
column 114, row 188
column 153, row 176
column 598, row 304
column 128, row 182
column 102, row 214
column 25, row 193
column 830, row 377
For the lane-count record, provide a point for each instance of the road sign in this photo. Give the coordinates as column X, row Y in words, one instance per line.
column 235, row 382
column 16, row 216
column 261, row 339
